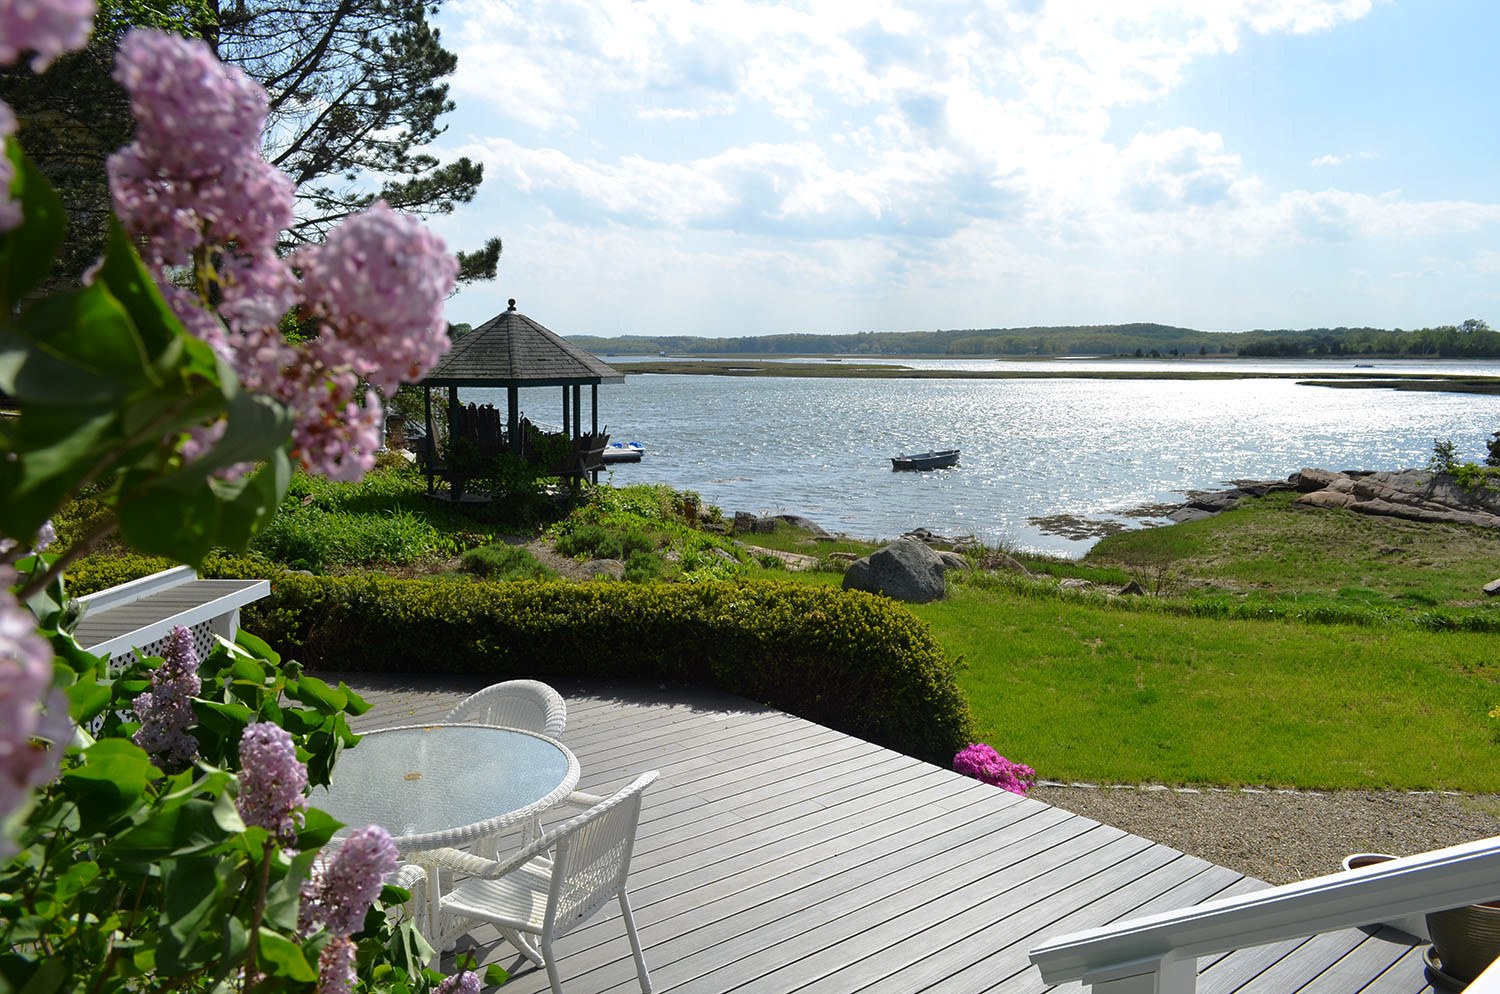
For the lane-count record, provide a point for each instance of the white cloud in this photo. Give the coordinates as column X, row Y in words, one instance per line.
column 855, row 152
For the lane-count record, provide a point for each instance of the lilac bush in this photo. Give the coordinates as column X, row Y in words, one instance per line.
column 165, row 386
column 982, row 762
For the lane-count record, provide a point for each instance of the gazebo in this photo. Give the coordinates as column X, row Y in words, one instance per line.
column 512, row 351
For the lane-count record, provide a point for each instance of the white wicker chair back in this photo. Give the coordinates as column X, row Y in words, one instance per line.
column 526, row 704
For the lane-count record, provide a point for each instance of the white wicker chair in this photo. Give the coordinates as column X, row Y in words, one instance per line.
column 534, row 893
column 527, row 704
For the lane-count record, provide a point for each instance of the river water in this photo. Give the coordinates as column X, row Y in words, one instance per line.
column 1032, row 449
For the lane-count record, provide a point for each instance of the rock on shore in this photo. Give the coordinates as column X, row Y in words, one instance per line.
column 1417, row 495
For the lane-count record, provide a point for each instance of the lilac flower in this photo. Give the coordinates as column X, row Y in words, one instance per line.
column 341, row 888
column 271, row 781
column 463, row 982
column 336, row 966
column 982, row 762
column 379, row 283
column 10, row 549
column 194, row 115
column 46, row 28
column 10, row 210
column 166, row 711
column 34, row 722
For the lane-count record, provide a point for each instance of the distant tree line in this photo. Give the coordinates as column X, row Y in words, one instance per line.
column 1471, row 339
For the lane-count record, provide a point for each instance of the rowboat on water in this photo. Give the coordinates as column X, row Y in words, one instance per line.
column 936, row 459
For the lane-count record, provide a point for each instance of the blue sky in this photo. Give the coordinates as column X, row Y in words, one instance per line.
column 741, row 168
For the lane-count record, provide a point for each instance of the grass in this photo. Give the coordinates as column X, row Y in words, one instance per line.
column 1082, row 689
column 1272, row 551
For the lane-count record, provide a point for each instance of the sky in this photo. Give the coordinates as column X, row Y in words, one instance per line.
column 668, row 167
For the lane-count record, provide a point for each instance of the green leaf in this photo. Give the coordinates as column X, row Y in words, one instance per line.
column 110, row 784
column 284, row 895
column 49, row 977
column 28, row 253
column 311, row 690
column 252, row 507
column 74, row 881
column 87, row 697
column 196, row 895
column 255, row 646
column 128, row 280
column 317, row 828
column 93, row 332
column 163, row 521
column 183, row 829
column 281, row 957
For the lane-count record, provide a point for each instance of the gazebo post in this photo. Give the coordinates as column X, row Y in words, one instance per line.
column 513, row 419
column 577, row 410
column 429, row 453
column 594, row 411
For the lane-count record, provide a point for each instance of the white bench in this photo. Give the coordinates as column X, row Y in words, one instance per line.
column 140, row 615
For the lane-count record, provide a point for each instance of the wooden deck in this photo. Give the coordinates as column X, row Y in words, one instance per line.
column 776, row 855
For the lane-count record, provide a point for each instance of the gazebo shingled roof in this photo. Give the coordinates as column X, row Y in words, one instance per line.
column 512, row 351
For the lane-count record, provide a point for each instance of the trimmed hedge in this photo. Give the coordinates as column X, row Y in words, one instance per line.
column 849, row 660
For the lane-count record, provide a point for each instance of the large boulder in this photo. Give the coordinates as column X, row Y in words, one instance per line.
column 1414, row 494
column 906, row 570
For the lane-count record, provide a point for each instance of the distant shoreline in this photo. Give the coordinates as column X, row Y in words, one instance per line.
column 856, row 369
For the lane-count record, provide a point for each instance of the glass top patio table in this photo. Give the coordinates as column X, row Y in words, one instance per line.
column 446, row 785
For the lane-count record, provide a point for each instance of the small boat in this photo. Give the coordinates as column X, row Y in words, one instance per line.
column 623, row 452
column 938, row 459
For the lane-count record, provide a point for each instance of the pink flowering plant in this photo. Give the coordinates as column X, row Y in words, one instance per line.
column 155, row 831
column 982, row 762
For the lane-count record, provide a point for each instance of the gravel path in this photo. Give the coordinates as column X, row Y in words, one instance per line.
column 1281, row 837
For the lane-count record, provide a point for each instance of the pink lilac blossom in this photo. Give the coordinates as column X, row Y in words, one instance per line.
column 463, row 982
column 272, row 781
column 34, row 721
column 378, row 284
column 341, row 888
column 10, row 210
column 194, row 187
column 982, row 762
column 11, row 550
column 166, row 711
column 336, row 966
column 46, row 28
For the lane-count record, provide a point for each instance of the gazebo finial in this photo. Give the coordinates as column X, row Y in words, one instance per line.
column 512, row 304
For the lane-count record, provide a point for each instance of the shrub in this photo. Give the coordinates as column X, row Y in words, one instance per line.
column 505, row 562
column 852, row 661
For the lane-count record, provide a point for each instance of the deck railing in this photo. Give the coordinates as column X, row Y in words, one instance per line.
column 1158, row 954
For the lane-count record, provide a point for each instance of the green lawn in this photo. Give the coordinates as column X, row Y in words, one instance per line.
column 1085, row 691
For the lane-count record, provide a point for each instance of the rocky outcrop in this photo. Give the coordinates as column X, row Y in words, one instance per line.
column 1414, row 494
column 905, row 570
column 1206, row 505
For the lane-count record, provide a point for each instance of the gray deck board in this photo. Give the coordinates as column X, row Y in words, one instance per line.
column 777, row 856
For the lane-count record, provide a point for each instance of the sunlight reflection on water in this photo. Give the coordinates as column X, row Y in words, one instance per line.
column 821, row 448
